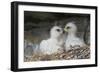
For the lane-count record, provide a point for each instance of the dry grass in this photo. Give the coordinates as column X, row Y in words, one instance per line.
column 78, row 53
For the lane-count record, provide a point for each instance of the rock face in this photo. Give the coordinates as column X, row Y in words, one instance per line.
column 77, row 53
column 28, row 48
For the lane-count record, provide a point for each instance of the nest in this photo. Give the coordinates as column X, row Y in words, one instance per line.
column 77, row 53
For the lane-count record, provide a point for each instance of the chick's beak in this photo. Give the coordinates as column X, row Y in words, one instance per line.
column 65, row 29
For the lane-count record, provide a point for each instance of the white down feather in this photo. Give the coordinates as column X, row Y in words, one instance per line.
column 72, row 41
column 54, row 44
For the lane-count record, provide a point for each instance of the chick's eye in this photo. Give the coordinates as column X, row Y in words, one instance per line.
column 68, row 27
column 58, row 30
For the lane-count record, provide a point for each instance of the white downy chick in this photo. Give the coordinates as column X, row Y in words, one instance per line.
column 55, row 43
column 72, row 41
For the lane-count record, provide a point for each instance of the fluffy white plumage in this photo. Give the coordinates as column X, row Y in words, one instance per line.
column 72, row 40
column 55, row 43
